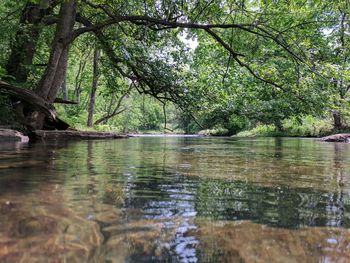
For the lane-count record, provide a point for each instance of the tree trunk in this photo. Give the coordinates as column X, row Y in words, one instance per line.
column 55, row 71
column 279, row 126
column 337, row 122
column 64, row 88
column 24, row 44
column 93, row 87
column 64, row 91
column 23, row 49
column 29, row 97
column 78, row 77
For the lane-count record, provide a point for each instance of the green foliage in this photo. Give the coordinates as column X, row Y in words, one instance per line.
column 308, row 127
column 3, row 73
column 260, row 131
column 218, row 131
column 292, row 61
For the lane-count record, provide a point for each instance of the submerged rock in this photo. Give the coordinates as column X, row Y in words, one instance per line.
column 8, row 135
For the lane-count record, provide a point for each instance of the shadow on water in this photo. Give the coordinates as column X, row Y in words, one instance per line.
column 171, row 199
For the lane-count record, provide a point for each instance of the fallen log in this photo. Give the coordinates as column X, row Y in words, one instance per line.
column 341, row 137
column 25, row 98
column 73, row 134
column 29, row 97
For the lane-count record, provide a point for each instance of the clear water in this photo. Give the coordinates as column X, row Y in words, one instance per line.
column 175, row 199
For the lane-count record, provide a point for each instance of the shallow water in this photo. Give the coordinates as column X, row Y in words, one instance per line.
column 175, row 199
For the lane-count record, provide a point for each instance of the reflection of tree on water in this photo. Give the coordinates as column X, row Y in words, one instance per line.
column 275, row 206
column 341, row 174
column 30, row 166
column 160, row 194
column 278, row 148
column 145, row 195
column 175, row 195
column 155, row 191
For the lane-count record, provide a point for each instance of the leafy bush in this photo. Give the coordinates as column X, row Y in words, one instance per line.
column 218, row 131
column 260, row 131
column 308, row 127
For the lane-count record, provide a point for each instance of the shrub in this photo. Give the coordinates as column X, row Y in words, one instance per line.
column 308, row 127
column 218, row 131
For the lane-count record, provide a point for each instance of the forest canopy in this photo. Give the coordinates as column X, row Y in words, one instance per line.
column 183, row 65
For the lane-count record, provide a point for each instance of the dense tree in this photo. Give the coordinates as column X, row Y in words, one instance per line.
column 258, row 61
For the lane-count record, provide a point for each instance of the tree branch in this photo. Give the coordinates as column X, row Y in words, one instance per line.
column 149, row 21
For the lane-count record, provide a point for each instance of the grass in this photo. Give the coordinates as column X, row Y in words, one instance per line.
column 309, row 127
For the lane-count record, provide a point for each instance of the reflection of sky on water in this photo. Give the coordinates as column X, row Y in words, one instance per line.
column 167, row 201
column 185, row 246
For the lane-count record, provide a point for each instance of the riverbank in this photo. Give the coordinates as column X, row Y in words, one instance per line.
column 9, row 135
column 312, row 130
column 74, row 134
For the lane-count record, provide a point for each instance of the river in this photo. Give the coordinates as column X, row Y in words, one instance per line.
column 175, row 199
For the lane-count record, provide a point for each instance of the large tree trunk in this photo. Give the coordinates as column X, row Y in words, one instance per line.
column 55, row 71
column 95, row 77
column 23, row 49
column 24, row 44
column 57, row 66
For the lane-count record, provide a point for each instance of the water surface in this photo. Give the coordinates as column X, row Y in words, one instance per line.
column 175, row 199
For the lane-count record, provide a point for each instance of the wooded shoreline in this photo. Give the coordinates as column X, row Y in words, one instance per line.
column 10, row 135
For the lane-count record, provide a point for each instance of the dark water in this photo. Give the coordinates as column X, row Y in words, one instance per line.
column 177, row 199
